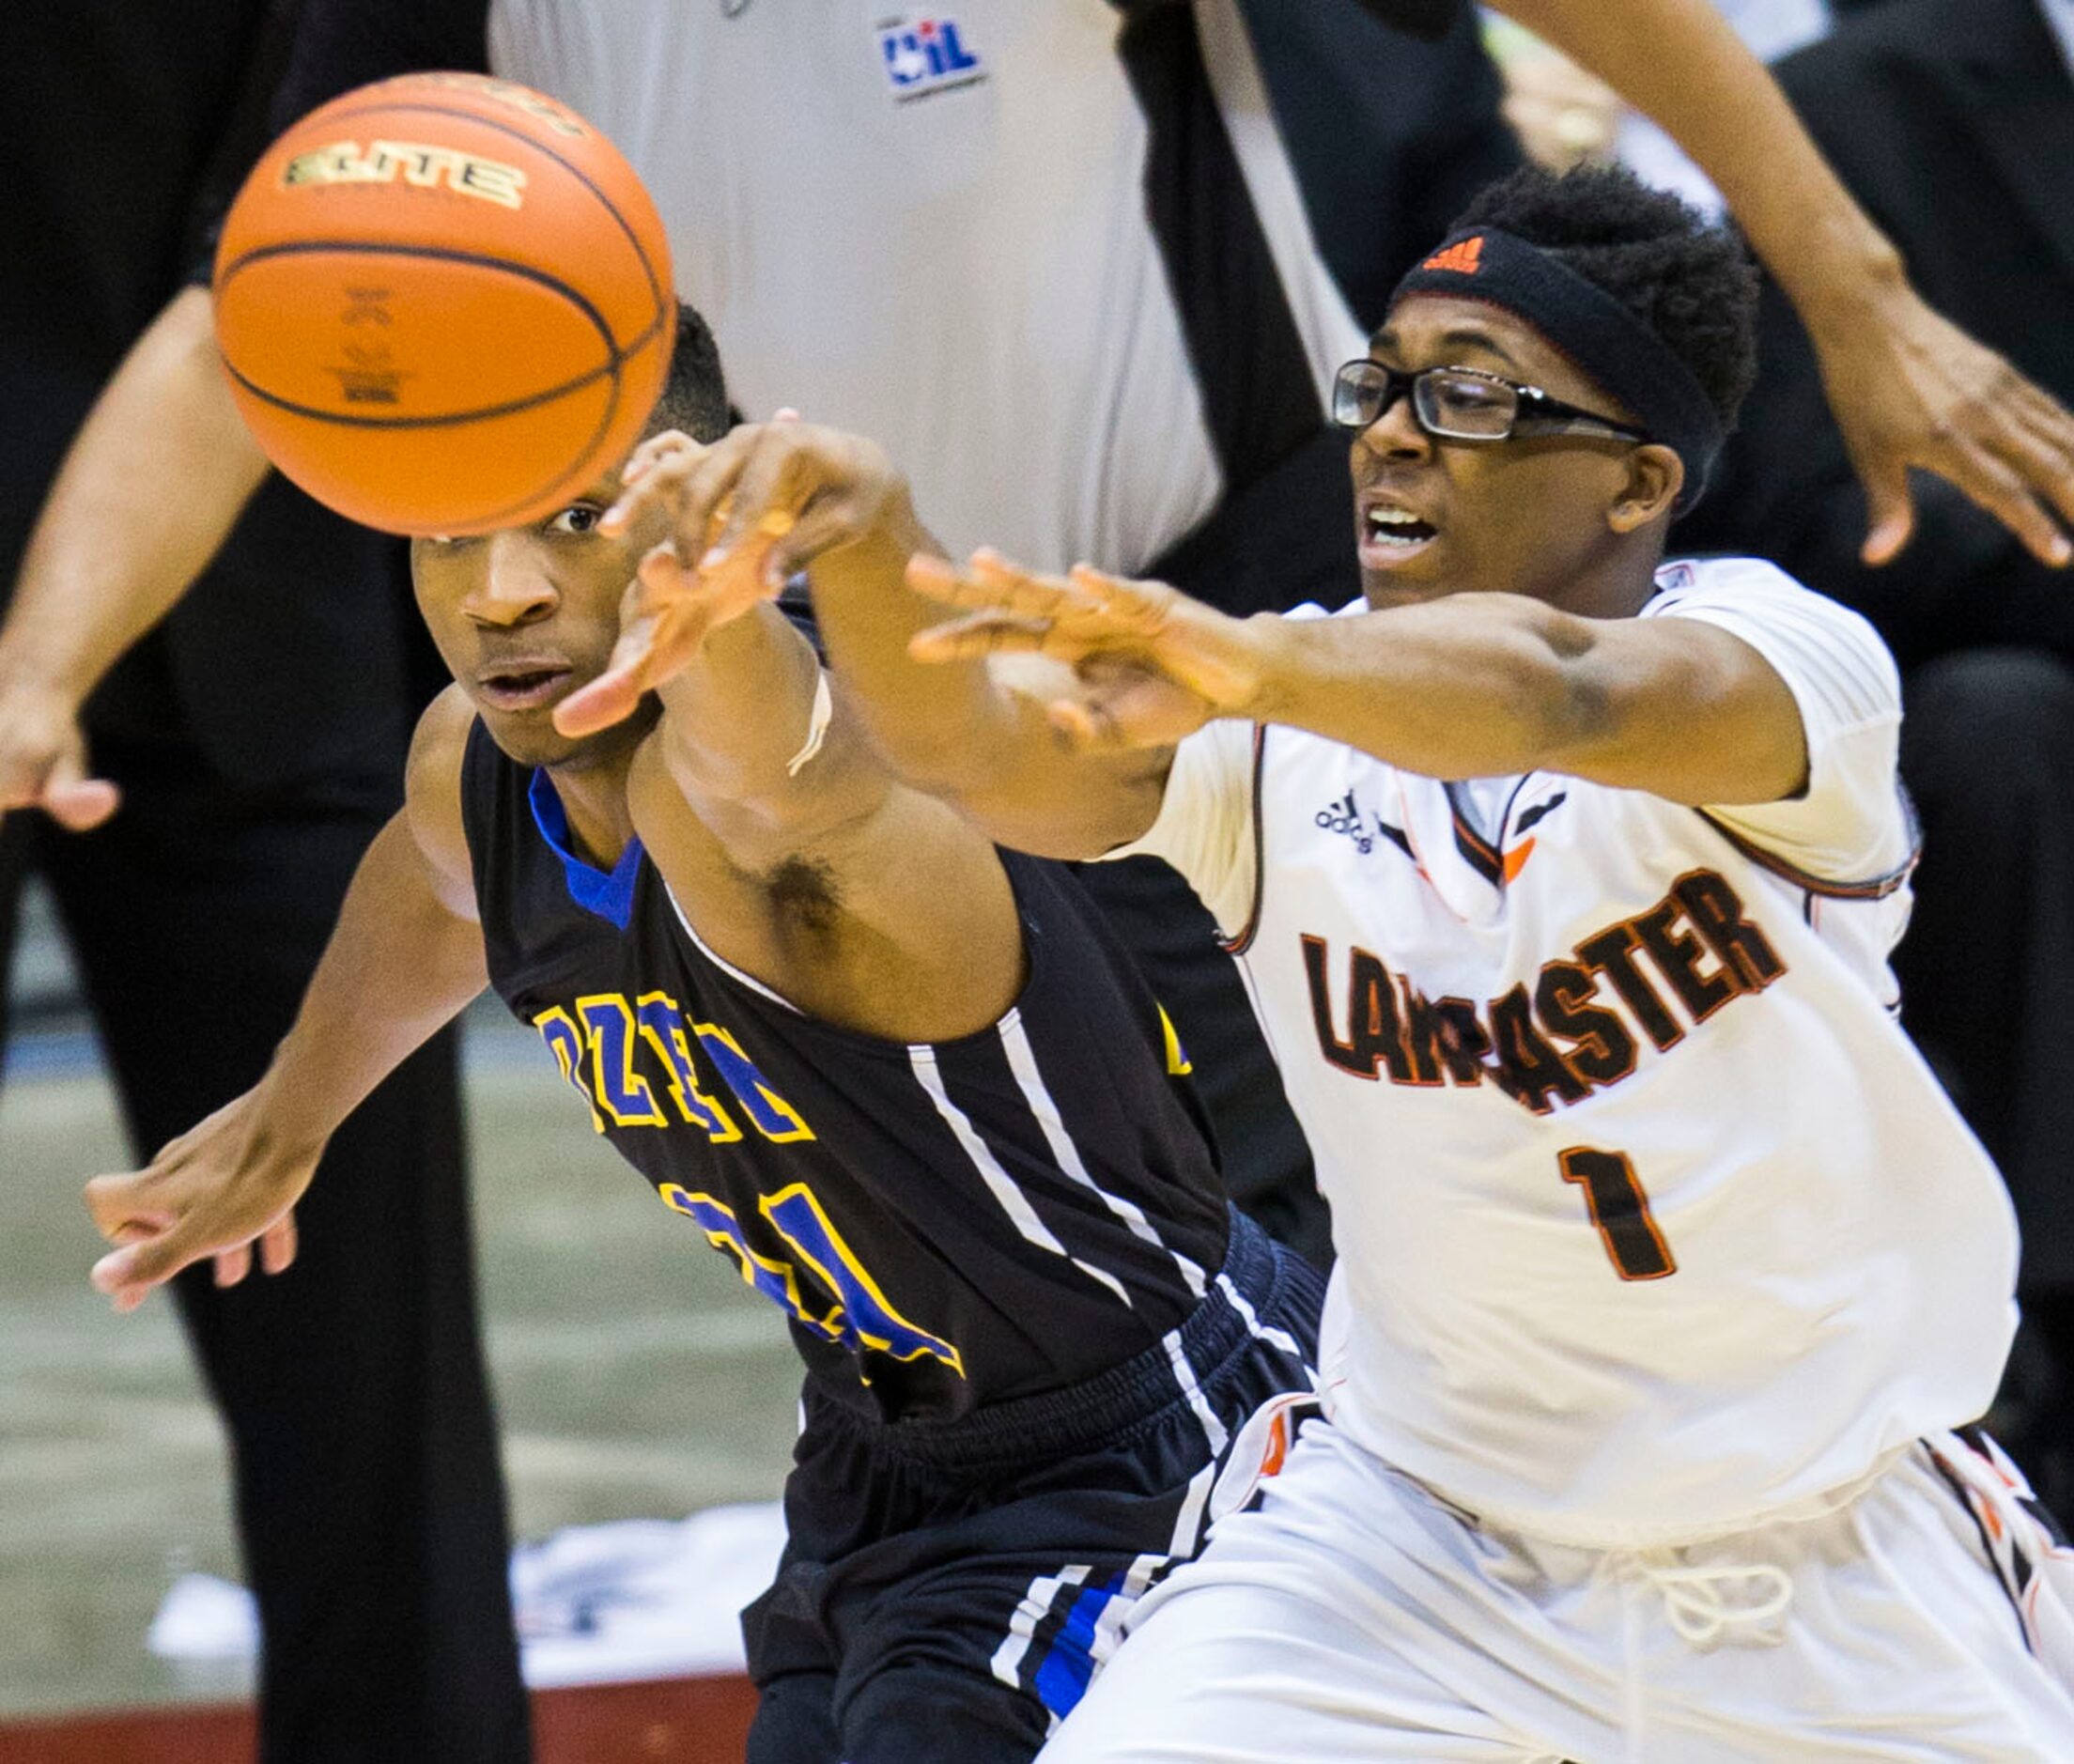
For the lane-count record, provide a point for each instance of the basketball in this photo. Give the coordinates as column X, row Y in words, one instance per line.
column 444, row 303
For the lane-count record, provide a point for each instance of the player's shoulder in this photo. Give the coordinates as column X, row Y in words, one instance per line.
column 439, row 743
column 1683, row 580
column 1804, row 633
column 432, row 781
column 1741, row 589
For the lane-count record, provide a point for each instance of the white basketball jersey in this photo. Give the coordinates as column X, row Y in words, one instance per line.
column 1651, row 1222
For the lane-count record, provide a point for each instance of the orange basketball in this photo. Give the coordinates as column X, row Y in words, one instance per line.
column 444, row 303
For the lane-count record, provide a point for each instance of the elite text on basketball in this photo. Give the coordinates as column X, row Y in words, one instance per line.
column 384, row 162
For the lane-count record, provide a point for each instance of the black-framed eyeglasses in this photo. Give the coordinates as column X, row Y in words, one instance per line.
column 1463, row 404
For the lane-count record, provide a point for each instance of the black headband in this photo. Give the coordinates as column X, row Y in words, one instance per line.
column 1617, row 350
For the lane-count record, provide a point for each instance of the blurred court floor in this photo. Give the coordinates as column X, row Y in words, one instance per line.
column 636, row 1375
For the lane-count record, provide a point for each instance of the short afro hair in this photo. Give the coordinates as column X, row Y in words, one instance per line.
column 1691, row 282
column 694, row 397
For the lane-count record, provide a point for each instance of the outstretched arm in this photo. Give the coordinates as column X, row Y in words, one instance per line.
column 788, row 843
column 153, row 483
column 1472, row 686
column 1909, row 389
column 772, row 500
column 405, row 956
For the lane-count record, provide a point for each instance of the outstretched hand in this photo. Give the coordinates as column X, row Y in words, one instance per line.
column 43, row 762
column 684, row 587
column 1916, row 391
column 220, row 1190
column 1149, row 664
column 741, row 517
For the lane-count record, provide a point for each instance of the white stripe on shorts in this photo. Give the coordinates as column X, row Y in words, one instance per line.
column 1261, row 1332
column 1033, row 1609
column 1109, row 1625
column 1185, row 1375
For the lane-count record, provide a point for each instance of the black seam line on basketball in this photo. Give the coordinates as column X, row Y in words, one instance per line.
column 612, row 368
column 440, row 254
column 569, row 475
column 447, row 253
column 344, row 420
column 576, row 171
column 611, row 365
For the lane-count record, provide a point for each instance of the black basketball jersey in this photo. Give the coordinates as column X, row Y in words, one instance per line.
column 944, row 1224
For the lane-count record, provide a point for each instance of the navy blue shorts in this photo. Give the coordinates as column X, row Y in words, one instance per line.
column 947, row 1590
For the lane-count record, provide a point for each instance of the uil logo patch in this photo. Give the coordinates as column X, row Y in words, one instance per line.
column 925, row 55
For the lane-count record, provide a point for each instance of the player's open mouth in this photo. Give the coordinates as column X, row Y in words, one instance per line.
column 1392, row 534
column 523, row 685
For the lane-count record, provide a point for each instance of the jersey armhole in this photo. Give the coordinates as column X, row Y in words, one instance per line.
column 1876, row 888
column 1238, row 944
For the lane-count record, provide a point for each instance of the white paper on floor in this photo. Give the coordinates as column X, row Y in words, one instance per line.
column 641, row 1598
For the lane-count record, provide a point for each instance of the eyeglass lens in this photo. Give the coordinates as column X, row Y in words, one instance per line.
column 1447, row 402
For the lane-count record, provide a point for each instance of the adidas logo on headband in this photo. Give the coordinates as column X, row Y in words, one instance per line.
column 1465, row 257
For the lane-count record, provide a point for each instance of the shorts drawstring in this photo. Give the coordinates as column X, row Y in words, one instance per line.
column 1697, row 1600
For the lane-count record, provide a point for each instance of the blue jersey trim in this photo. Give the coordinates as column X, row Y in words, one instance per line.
column 1061, row 1680
column 608, row 896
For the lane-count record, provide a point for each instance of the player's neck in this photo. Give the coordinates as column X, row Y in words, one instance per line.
column 1614, row 588
column 594, row 798
column 1619, row 590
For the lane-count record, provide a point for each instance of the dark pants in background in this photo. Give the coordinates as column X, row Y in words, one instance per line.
column 1987, row 969
column 369, row 1500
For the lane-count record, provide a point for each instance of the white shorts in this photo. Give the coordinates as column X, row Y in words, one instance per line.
column 1353, row 1615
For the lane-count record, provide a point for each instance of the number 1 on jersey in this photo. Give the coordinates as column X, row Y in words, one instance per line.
column 1620, row 1210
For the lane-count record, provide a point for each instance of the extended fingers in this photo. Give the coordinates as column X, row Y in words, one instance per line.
column 2041, row 451
column 671, row 443
column 1889, row 510
column 278, row 1244
column 2004, row 485
column 1126, row 605
column 686, row 481
column 991, row 584
column 1025, row 593
column 2009, row 447
column 767, row 496
column 601, row 702
column 980, row 634
column 825, row 523
column 130, row 1272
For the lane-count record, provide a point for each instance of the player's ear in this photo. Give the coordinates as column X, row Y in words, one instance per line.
column 1655, row 477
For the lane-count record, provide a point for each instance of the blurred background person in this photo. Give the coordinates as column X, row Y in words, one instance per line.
column 256, row 738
